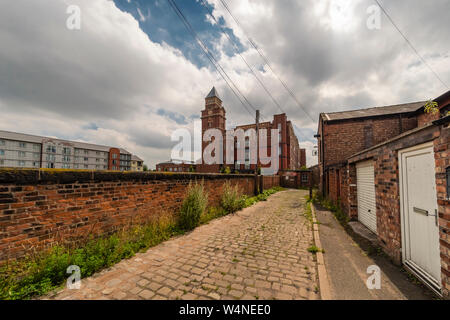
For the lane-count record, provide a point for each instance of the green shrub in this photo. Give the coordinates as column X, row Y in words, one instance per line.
column 231, row 198
column 194, row 205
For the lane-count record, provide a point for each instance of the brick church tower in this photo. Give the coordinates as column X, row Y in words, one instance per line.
column 213, row 117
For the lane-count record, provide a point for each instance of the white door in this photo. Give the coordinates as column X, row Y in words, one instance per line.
column 365, row 182
column 419, row 208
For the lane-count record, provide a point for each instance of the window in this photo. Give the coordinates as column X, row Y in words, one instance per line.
column 66, row 150
column 50, row 165
column 22, row 145
column 2, row 162
column 304, row 178
column 21, row 154
column 85, row 166
column 86, row 151
column 36, row 164
column 75, row 166
column 2, row 152
column 21, row 163
column 86, row 159
column 97, row 160
column 104, row 167
column 36, row 155
column 36, row 147
column 2, row 142
column 114, row 156
column 97, row 167
column 66, row 166
column 51, row 149
column 66, row 159
column 50, row 157
column 279, row 150
column 97, row 153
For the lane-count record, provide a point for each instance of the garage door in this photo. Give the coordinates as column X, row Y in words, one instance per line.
column 367, row 210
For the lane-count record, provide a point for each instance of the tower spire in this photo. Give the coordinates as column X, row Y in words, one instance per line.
column 213, row 93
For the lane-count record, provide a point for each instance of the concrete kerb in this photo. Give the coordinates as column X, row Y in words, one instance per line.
column 325, row 291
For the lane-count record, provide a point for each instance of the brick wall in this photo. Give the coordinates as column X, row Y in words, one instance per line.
column 270, row 182
column 38, row 208
column 388, row 192
column 442, row 162
column 345, row 138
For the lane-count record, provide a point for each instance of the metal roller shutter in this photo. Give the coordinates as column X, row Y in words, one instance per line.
column 367, row 209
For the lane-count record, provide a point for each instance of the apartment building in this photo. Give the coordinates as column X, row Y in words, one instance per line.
column 30, row 151
column 137, row 164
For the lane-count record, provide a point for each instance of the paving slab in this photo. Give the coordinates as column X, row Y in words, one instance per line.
column 347, row 265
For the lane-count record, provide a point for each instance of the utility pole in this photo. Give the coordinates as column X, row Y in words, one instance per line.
column 257, row 153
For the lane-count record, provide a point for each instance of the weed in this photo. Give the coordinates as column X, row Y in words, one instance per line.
column 313, row 249
column 193, row 207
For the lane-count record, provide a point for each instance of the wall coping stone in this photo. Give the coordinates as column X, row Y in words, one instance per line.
column 65, row 176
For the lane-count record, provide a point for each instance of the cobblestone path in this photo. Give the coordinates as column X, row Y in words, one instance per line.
column 257, row 253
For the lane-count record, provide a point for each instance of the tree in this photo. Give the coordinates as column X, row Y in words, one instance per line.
column 145, row 167
column 433, row 108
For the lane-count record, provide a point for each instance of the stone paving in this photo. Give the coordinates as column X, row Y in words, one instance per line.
column 257, row 253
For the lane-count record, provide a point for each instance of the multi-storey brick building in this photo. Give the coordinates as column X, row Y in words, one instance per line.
column 291, row 157
column 30, row 151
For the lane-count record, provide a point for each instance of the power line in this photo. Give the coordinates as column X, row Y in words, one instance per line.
column 410, row 44
column 210, row 56
column 266, row 60
column 236, row 49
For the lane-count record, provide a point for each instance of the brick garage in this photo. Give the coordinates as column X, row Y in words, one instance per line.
column 38, row 208
column 387, row 189
column 342, row 134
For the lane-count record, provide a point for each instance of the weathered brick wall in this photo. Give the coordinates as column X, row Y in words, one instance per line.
column 442, row 161
column 387, row 189
column 388, row 192
column 344, row 139
column 41, row 208
column 270, row 182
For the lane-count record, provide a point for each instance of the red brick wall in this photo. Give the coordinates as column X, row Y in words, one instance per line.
column 442, row 161
column 388, row 192
column 270, row 182
column 425, row 118
column 39, row 208
column 344, row 139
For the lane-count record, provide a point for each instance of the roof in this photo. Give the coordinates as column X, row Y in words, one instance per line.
column 172, row 162
column 40, row 139
column 136, row 158
column 373, row 112
column 213, row 93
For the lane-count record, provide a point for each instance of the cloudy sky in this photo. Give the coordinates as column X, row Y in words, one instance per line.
column 133, row 74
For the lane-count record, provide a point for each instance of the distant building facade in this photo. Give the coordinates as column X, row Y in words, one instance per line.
column 172, row 166
column 291, row 156
column 137, row 164
column 30, row 151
